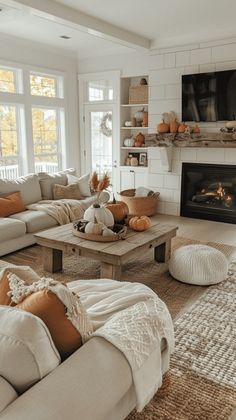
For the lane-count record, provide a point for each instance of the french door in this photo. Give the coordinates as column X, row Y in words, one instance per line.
column 101, row 143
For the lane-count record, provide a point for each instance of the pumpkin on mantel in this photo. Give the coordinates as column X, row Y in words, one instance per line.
column 140, row 223
column 119, row 209
column 163, row 127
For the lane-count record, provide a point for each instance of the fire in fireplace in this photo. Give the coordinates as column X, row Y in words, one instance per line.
column 209, row 192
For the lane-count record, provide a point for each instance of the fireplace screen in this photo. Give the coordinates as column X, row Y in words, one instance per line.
column 209, row 192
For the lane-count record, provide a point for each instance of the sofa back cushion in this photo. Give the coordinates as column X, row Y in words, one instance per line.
column 11, row 204
column 7, row 394
column 48, row 307
column 47, row 182
column 27, row 352
column 27, row 185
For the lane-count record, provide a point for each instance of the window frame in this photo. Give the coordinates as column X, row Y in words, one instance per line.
column 25, row 101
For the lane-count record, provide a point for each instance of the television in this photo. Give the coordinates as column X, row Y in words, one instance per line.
column 209, row 96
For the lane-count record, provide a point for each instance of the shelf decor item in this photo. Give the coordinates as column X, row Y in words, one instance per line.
column 143, row 159
column 138, row 94
column 139, row 206
column 129, row 142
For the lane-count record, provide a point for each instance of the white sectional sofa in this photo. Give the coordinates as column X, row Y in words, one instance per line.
column 17, row 231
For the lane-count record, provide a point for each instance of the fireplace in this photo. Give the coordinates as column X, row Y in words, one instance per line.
column 208, row 191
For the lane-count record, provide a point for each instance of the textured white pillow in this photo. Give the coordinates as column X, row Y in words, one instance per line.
column 7, row 394
column 83, row 182
column 198, row 264
column 27, row 352
column 28, row 186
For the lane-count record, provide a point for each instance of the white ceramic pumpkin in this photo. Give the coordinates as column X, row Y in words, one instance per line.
column 108, row 232
column 94, row 228
column 129, row 142
column 101, row 213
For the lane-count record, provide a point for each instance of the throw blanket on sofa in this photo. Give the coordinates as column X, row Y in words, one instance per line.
column 64, row 211
column 128, row 315
column 133, row 319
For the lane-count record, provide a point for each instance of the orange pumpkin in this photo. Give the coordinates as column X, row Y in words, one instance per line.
column 174, row 125
column 182, row 128
column 140, row 138
column 140, row 223
column 196, row 130
column 163, row 127
column 119, row 209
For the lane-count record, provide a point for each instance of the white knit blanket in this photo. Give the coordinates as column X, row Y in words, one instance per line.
column 63, row 211
column 133, row 319
column 128, row 315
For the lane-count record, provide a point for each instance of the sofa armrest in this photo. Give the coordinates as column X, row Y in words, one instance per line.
column 86, row 386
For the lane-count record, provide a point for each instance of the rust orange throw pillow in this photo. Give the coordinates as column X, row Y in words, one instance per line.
column 4, row 289
column 11, row 204
column 47, row 306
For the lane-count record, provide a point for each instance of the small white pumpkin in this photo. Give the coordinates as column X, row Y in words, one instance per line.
column 108, row 232
column 129, row 142
column 94, row 228
column 101, row 213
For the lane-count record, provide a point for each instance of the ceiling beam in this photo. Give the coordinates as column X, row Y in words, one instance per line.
column 59, row 13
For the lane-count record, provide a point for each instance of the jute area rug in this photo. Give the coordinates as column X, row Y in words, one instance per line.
column 201, row 382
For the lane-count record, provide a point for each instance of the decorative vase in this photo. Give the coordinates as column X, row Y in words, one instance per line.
column 99, row 213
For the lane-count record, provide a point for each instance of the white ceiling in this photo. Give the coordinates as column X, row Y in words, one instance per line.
column 164, row 23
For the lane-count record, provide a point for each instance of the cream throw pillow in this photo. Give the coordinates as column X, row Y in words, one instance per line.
column 68, row 191
column 83, row 183
column 27, row 352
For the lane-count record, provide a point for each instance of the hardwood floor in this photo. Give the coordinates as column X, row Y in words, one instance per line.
column 202, row 230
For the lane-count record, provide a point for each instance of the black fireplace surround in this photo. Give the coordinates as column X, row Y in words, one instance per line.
column 208, row 191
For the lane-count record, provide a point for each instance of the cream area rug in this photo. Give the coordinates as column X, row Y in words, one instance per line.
column 201, row 382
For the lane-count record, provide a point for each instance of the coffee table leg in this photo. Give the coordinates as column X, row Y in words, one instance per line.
column 109, row 271
column 52, row 259
column 162, row 252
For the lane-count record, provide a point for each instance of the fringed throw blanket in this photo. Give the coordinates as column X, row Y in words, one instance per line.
column 64, row 211
column 128, row 315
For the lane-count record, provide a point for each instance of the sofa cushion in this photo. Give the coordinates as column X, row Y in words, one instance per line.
column 27, row 352
column 48, row 307
column 71, row 191
column 27, row 185
column 5, row 299
column 47, row 182
column 11, row 229
column 7, row 394
column 11, row 204
column 35, row 220
column 83, row 183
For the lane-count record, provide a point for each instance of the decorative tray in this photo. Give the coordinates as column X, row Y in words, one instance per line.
column 120, row 231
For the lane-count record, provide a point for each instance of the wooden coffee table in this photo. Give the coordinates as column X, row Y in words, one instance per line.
column 112, row 255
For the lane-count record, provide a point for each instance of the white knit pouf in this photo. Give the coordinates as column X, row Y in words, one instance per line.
column 198, row 264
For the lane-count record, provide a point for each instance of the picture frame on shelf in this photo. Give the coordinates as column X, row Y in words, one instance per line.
column 142, row 159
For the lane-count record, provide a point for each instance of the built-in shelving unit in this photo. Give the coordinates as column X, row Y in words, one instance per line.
column 131, row 175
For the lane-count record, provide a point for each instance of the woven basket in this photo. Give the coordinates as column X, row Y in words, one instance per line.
column 139, row 206
column 138, row 94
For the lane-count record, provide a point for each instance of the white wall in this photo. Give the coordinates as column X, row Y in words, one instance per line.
column 165, row 68
column 34, row 54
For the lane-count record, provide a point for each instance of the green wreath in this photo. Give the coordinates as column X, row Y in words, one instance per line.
column 105, row 126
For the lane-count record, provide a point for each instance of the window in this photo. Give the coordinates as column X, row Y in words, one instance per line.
column 45, row 139
column 35, row 143
column 9, row 139
column 100, row 90
column 45, row 85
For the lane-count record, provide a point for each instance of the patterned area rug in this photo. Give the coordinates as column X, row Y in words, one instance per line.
column 201, row 383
